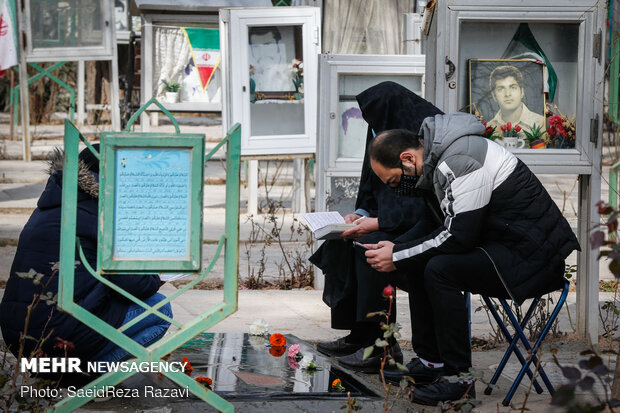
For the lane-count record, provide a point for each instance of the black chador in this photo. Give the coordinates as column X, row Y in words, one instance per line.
column 352, row 287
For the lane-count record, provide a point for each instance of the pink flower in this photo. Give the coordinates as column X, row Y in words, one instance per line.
column 292, row 363
column 293, row 350
column 388, row 291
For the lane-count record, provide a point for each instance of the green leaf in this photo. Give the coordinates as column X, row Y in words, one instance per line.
column 376, row 313
column 381, row 343
column 368, row 352
column 402, row 368
column 29, row 274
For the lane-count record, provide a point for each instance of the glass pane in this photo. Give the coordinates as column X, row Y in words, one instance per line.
column 276, row 80
column 173, row 63
column 66, row 23
column 351, row 126
column 152, row 203
column 505, row 82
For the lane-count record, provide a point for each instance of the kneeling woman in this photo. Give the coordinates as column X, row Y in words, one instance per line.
column 38, row 251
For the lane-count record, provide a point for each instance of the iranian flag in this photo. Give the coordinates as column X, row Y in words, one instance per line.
column 524, row 46
column 8, row 36
column 204, row 45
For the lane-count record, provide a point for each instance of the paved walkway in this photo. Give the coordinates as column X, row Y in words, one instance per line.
column 298, row 312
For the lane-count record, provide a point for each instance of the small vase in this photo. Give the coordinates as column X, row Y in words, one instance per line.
column 172, row 97
column 537, row 144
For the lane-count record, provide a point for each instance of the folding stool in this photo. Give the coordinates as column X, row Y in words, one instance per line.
column 520, row 335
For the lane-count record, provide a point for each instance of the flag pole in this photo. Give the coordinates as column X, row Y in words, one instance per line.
column 23, row 83
column 12, row 106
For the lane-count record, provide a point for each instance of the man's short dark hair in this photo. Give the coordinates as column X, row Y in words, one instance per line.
column 387, row 146
column 502, row 72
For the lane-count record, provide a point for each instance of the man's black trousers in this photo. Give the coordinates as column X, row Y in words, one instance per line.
column 439, row 318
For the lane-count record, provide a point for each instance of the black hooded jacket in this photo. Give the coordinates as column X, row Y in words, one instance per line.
column 39, row 249
column 389, row 105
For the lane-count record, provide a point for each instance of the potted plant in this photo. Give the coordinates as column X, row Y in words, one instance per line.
column 172, row 91
column 510, row 136
column 535, row 137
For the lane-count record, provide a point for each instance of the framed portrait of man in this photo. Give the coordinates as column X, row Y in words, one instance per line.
column 507, row 90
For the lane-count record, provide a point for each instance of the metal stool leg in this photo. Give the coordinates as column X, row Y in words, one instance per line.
column 512, row 347
column 534, row 349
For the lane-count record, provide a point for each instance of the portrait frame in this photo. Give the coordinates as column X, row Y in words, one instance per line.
column 480, row 95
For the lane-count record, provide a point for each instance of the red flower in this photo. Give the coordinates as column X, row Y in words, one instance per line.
column 277, row 351
column 503, row 128
column 551, row 131
column 484, row 122
column 277, row 340
column 508, row 126
column 336, row 382
column 555, row 120
column 518, row 128
column 205, row 381
column 388, row 291
column 604, row 208
column 64, row 344
column 188, row 366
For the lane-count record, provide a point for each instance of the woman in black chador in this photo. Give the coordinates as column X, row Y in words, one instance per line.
column 352, row 288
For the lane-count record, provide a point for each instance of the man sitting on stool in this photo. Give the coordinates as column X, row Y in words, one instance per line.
column 503, row 236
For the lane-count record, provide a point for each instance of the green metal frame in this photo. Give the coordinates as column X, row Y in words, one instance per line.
column 170, row 342
column 14, row 93
column 613, row 185
column 112, row 141
column 614, row 81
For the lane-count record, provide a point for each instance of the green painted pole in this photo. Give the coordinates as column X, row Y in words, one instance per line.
column 614, row 74
column 231, row 260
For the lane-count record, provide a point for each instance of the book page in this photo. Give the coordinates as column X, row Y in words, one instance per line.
column 316, row 220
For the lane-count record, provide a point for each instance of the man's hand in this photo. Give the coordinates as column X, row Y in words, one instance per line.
column 379, row 256
column 348, row 219
column 362, row 227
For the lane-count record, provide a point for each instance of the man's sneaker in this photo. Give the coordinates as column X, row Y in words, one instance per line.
column 416, row 370
column 340, row 347
column 372, row 364
column 442, row 391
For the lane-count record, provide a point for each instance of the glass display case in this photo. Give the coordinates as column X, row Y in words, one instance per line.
column 167, row 58
column 270, row 72
column 342, row 130
column 531, row 64
column 551, row 55
column 59, row 30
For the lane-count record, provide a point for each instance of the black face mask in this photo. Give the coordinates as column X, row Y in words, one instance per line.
column 407, row 184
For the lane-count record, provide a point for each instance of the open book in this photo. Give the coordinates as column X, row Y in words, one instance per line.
column 326, row 225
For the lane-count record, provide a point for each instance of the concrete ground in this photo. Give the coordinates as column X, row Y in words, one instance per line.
column 299, row 311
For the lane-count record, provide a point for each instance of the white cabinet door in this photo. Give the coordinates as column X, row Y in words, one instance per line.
column 271, row 70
